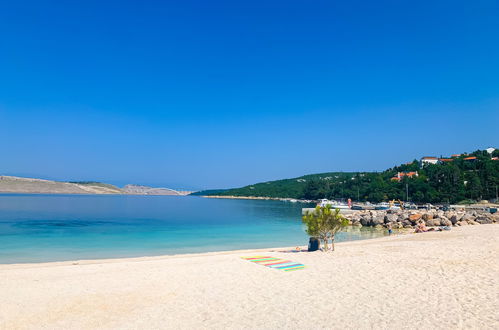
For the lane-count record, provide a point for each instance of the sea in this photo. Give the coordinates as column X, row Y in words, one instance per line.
column 44, row 228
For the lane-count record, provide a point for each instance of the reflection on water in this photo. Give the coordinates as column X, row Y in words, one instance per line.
column 67, row 227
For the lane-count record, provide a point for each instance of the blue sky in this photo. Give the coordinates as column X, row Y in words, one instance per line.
column 209, row 94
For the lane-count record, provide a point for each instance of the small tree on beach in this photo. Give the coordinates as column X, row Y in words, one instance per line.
column 336, row 222
column 324, row 223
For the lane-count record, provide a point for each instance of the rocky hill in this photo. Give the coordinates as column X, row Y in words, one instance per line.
column 144, row 190
column 12, row 184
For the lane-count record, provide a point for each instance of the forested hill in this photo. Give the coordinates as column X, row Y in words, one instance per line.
column 473, row 176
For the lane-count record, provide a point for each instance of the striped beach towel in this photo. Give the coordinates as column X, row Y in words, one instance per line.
column 276, row 263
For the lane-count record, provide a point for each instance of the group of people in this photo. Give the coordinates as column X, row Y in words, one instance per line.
column 421, row 227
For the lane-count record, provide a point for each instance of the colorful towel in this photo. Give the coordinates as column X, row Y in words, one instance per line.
column 276, row 263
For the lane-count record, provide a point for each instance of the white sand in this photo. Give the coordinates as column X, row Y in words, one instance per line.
column 434, row 280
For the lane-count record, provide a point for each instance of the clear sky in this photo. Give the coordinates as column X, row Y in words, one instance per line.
column 212, row 94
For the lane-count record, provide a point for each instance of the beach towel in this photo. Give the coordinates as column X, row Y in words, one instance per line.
column 275, row 263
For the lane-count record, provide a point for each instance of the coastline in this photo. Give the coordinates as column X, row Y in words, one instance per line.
column 401, row 233
column 431, row 280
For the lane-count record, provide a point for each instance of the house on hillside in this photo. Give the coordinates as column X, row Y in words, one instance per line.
column 428, row 160
column 445, row 160
column 400, row 175
column 490, row 150
column 470, row 159
column 455, row 155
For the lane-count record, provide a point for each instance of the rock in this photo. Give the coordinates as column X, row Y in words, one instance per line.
column 391, row 218
column 407, row 226
column 468, row 217
column 378, row 220
column 433, row 222
column 453, row 219
column 406, row 223
column 445, row 222
column 427, row 216
column 415, row 217
column 473, row 223
column 449, row 214
column 365, row 221
column 462, row 223
column 483, row 220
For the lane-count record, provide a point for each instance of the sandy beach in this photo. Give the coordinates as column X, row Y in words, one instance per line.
column 443, row 280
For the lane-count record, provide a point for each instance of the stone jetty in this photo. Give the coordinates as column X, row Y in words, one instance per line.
column 410, row 218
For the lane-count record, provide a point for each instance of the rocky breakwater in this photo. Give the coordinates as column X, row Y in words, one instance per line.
column 399, row 219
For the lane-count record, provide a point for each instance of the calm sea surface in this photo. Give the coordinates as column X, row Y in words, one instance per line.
column 35, row 228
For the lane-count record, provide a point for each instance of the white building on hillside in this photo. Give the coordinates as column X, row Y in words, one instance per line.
column 428, row 160
column 490, row 150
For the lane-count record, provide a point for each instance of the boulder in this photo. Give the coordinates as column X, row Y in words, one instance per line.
column 468, row 217
column 378, row 220
column 453, row 219
column 391, row 218
column 445, row 222
column 433, row 222
column 365, row 221
column 449, row 214
column 427, row 216
column 415, row 217
column 484, row 220
column 406, row 223
column 462, row 223
column 407, row 226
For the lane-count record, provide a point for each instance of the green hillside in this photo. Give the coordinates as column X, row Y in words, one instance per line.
column 449, row 181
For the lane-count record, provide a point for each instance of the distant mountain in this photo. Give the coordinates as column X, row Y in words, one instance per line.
column 144, row 190
column 12, row 184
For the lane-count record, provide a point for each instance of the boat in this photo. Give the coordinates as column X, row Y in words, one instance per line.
column 387, row 206
column 334, row 204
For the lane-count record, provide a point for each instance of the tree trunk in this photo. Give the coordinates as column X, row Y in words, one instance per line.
column 332, row 242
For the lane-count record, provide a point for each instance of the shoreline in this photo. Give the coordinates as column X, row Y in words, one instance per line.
column 73, row 262
column 435, row 280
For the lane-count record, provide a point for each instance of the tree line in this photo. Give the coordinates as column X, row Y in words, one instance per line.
column 447, row 182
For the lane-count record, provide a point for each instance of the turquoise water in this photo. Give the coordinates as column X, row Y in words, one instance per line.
column 36, row 228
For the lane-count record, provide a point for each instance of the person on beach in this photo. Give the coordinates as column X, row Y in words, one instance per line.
column 389, row 227
column 421, row 227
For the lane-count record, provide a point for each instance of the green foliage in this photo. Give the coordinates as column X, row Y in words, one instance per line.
column 324, row 223
column 212, row 192
column 449, row 182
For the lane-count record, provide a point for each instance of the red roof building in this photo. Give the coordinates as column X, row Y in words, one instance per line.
column 470, row 158
column 400, row 175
